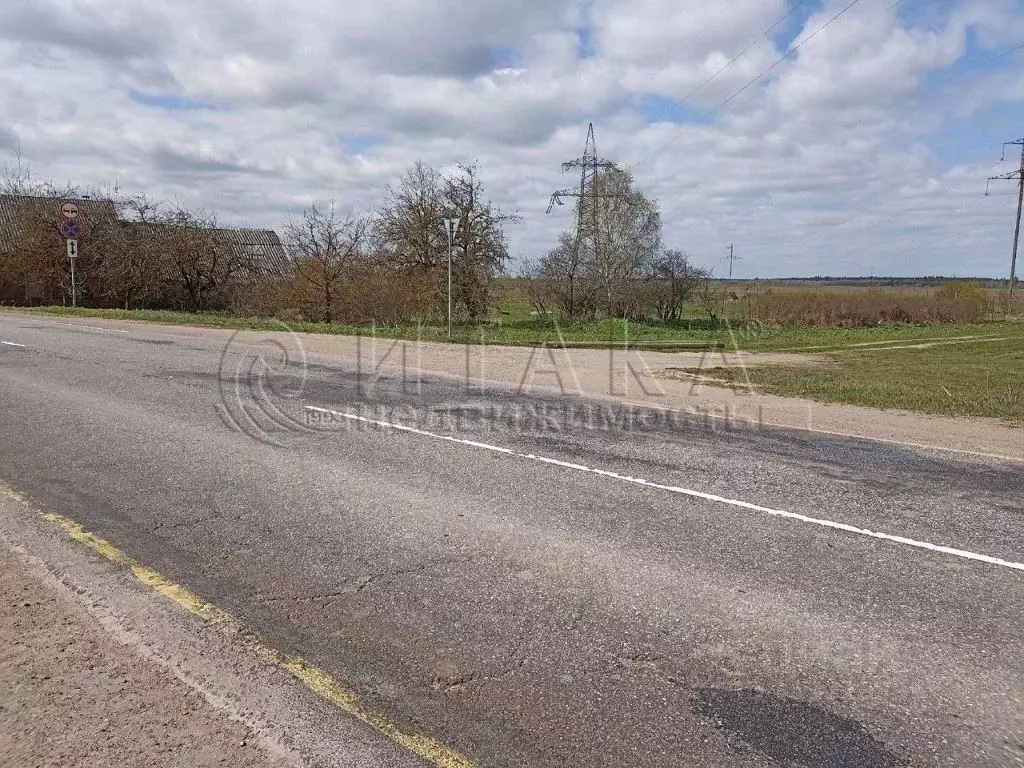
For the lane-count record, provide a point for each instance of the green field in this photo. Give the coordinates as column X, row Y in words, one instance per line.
column 976, row 377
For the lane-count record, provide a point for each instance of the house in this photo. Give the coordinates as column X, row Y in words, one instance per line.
column 29, row 226
column 17, row 211
column 262, row 253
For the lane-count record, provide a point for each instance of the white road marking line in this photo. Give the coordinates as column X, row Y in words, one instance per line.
column 90, row 327
column 683, row 491
column 12, row 344
column 831, row 433
column 47, row 322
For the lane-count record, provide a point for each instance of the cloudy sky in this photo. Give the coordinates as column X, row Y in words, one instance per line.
column 863, row 152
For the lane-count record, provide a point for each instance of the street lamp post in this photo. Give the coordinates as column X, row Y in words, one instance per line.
column 451, row 227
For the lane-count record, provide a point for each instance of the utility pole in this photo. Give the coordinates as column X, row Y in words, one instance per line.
column 732, row 258
column 451, row 227
column 1017, row 176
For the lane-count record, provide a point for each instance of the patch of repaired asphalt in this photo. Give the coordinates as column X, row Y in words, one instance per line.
column 793, row 733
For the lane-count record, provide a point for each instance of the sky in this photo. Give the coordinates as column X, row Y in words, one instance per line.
column 865, row 151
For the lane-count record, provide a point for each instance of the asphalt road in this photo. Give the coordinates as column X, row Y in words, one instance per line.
column 504, row 597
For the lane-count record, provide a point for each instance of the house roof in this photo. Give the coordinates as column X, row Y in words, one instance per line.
column 16, row 209
column 267, row 256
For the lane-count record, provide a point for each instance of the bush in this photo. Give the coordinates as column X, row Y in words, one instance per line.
column 368, row 294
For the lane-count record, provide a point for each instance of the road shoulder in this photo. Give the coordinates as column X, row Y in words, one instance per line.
column 100, row 671
column 75, row 697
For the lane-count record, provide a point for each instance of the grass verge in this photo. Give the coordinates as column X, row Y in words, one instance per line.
column 982, row 377
column 681, row 336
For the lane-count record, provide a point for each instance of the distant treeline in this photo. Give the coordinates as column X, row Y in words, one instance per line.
column 903, row 282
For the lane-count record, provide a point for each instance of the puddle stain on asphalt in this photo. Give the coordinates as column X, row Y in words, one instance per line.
column 793, row 733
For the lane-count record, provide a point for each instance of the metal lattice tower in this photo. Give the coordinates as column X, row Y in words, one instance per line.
column 733, row 258
column 587, row 194
column 1017, row 176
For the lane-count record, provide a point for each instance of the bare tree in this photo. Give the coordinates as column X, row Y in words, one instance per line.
column 325, row 247
column 408, row 234
column 676, row 280
column 33, row 266
column 203, row 256
column 16, row 177
column 629, row 237
column 138, row 271
column 616, row 263
column 480, row 244
column 407, row 229
column 565, row 272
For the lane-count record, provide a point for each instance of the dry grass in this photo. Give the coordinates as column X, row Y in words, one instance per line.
column 954, row 302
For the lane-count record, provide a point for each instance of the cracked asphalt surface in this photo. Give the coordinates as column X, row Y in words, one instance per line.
column 527, row 614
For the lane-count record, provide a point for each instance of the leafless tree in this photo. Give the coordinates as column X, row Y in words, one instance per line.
column 203, row 256
column 676, row 280
column 409, row 236
column 481, row 247
column 325, row 247
column 139, row 271
column 616, row 263
column 564, row 271
column 407, row 229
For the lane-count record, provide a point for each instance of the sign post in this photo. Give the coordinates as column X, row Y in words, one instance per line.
column 71, row 228
column 72, row 255
column 451, row 227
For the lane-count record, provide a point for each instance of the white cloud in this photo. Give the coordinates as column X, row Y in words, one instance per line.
column 838, row 161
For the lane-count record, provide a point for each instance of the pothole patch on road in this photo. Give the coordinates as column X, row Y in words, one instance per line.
column 793, row 733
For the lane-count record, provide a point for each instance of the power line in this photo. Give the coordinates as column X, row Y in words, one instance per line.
column 1017, row 176
column 789, row 52
column 986, row 62
column 897, row 214
column 741, row 54
column 793, row 49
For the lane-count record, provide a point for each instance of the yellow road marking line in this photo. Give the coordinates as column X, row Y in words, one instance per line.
column 314, row 678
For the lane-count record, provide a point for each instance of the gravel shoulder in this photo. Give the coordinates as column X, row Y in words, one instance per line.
column 72, row 696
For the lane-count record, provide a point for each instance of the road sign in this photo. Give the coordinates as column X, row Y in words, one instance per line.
column 72, row 249
column 450, row 227
column 69, row 211
column 71, row 229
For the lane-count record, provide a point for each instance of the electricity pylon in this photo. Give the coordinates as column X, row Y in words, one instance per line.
column 1017, row 176
column 590, row 165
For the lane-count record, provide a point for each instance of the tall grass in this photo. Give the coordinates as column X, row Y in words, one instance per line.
column 959, row 302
